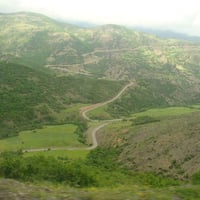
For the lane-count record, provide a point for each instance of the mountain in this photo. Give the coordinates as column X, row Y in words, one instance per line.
column 170, row 34
column 166, row 71
column 50, row 71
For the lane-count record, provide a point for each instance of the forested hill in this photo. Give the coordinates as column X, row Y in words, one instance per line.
column 30, row 98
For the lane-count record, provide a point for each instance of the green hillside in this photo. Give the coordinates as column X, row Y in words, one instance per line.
column 166, row 70
column 147, row 86
column 109, row 51
column 30, row 98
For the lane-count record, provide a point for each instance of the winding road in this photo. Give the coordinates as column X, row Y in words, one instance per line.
column 95, row 106
column 94, row 130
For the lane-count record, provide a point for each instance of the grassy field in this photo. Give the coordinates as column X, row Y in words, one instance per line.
column 69, row 111
column 49, row 136
column 64, row 136
column 73, row 154
column 99, row 113
column 164, row 112
column 157, row 113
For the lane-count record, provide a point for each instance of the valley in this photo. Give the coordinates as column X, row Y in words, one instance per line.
column 37, row 138
column 97, row 113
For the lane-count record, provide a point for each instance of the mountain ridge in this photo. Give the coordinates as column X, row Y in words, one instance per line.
column 166, row 71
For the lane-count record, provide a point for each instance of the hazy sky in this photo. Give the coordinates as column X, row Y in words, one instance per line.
column 179, row 15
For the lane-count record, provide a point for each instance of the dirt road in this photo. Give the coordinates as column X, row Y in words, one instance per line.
column 94, row 130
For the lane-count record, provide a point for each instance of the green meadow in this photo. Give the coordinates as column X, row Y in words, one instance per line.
column 170, row 111
column 153, row 115
column 72, row 154
column 64, row 135
column 48, row 136
column 101, row 113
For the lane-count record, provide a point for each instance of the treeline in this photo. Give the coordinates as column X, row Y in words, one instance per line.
column 30, row 98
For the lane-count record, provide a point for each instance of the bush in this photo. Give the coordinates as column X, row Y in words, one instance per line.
column 40, row 168
column 105, row 158
column 144, row 120
column 196, row 178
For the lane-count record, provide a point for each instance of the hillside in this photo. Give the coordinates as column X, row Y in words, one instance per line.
column 166, row 70
column 30, row 98
column 151, row 142
column 35, row 40
column 133, row 96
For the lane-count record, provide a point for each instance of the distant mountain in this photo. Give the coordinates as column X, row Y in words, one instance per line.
column 167, row 34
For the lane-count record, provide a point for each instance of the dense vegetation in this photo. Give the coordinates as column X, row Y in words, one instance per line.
column 30, row 98
column 42, row 168
column 99, row 169
column 100, row 174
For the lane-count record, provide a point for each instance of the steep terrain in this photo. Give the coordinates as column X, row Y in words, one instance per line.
column 166, row 70
column 167, row 145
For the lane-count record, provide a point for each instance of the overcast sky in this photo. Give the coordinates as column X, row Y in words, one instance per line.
column 178, row 15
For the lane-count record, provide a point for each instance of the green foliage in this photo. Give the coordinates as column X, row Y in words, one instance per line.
column 100, row 168
column 188, row 193
column 196, row 178
column 167, row 112
column 144, row 120
column 76, row 154
column 45, row 168
column 46, row 137
column 30, row 98
column 105, row 158
column 154, row 180
column 149, row 93
column 82, row 127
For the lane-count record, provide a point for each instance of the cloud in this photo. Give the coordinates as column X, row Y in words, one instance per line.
column 176, row 14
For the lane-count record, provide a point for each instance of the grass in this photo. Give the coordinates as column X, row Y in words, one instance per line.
column 154, row 113
column 49, row 136
column 73, row 154
column 18, row 190
column 64, row 136
column 70, row 110
column 99, row 113
column 170, row 111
